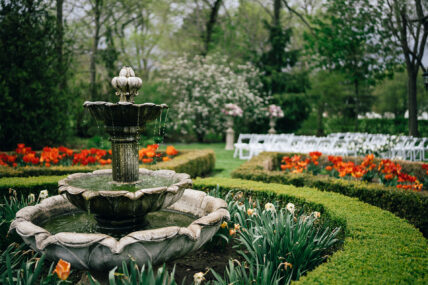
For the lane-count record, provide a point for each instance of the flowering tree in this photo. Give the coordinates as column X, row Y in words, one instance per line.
column 201, row 88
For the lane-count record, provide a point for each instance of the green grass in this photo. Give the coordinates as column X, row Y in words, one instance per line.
column 225, row 163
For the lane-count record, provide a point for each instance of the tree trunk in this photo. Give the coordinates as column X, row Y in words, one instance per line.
column 412, row 101
column 96, row 39
column 320, row 125
column 210, row 26
column 60, row 44
column 277, row 13
column 357, row 102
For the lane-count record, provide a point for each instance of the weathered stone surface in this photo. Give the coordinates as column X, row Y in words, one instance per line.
column 121, row 207
column 101, row 252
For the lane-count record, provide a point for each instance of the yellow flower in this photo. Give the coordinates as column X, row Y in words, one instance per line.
column 251, row 212
column 198, row 277
column 316, row 214
column 223, row 225
column 269, row 207
column 31, row 198
column 290, row 207
column 43, row 194
column 287, row 265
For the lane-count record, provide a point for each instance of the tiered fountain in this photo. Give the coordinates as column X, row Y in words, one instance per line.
column 108, row 216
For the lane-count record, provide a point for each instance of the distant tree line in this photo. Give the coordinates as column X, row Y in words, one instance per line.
column 339, row 58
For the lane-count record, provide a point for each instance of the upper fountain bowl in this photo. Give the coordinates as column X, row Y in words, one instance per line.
column 124, row 114
column 123, row 205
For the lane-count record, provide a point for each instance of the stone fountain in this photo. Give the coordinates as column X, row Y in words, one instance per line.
column 108, row 216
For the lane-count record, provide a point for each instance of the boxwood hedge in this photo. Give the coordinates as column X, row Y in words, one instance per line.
column 196, row 163
column 379, row 248
column 410, row 205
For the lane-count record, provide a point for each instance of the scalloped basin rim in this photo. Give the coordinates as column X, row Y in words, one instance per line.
column 101, row 252
column 184, row 180
column 30, row 212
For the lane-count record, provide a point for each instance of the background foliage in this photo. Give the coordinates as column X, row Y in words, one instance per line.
column 321, row 61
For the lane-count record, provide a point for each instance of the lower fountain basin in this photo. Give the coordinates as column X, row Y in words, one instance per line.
column 101, row 252
column 123, row 205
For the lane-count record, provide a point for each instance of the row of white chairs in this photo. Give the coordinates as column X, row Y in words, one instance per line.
column 344, row 144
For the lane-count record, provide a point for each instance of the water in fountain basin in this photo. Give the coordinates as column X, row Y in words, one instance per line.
column 105, row 182
column 82, row 222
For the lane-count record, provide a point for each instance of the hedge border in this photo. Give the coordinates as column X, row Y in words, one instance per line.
column 195, row 163
column 412, row 206
column 379, row 248
column 187, row 159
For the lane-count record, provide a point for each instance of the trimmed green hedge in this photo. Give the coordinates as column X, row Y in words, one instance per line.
column 412, row 206
column 194, row 162
column 27, row 185
column 379, row 248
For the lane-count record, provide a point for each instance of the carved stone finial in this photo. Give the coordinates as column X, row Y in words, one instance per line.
column 126, row 84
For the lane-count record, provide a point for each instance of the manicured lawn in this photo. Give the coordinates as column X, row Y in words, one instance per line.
column 225, row 163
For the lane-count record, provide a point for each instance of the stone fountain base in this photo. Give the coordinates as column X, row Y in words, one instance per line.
column 100, row 252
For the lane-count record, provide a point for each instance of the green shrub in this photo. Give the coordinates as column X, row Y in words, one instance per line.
column 412, row 206
column 195, row 163
column 379, row 248
column 29, row 185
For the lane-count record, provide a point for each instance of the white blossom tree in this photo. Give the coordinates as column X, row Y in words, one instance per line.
column 202, row 86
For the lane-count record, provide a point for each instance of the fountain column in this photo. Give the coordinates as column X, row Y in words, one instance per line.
column 124, row 139
column 124, row 146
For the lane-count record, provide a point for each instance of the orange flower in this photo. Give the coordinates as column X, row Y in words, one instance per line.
column 329, row 168
column 295, row 158
column 170, row 150
column 166, row 158
column 147, row 160
column 150, row 153
column 389, row 176
column 62, row 269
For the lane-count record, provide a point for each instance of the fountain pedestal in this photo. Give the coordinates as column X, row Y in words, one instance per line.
column 230, row 134
column 124, row 145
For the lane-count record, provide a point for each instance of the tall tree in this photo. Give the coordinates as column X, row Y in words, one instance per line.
column 31, row 105
column 277, row 58
column 212, row 20
column 345, row 39
column 97, row 7
column 405, row 25
column 60, row 43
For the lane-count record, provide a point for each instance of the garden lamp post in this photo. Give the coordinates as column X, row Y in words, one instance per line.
column 425, row 77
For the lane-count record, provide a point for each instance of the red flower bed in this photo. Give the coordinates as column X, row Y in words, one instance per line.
column 24, row 156
column 387, row 172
